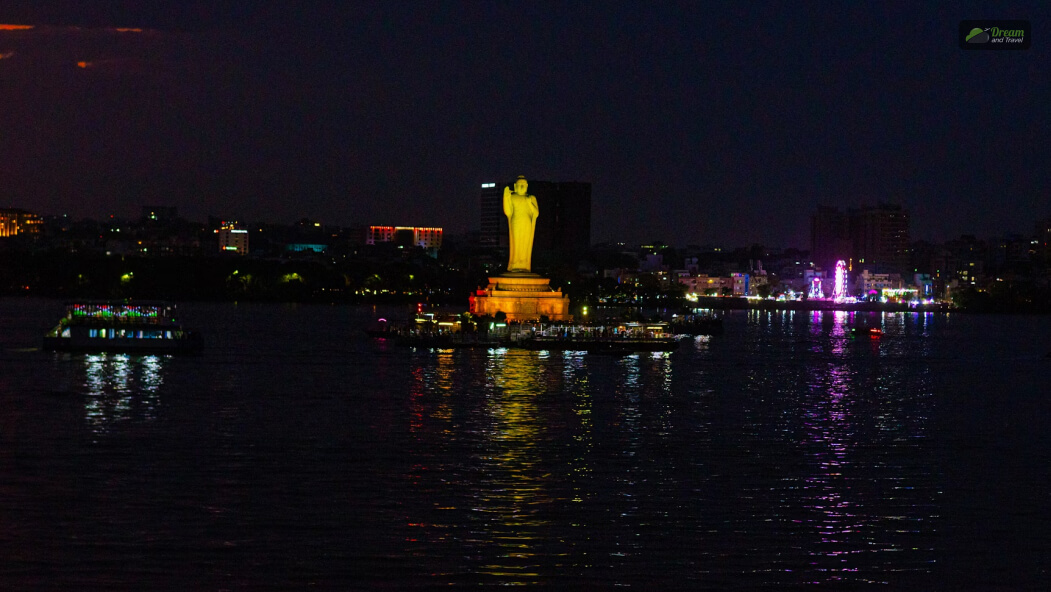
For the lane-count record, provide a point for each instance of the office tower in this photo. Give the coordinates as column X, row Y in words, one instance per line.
column 493, row 227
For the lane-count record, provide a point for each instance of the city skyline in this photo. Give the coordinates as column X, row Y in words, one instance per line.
column 700, row 124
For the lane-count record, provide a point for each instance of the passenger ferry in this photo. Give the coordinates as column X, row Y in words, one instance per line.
column 121, row 327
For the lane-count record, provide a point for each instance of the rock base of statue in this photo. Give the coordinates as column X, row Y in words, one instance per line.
column 522, row 296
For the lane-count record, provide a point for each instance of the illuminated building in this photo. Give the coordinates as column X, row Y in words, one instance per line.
column 704, row 285
column 14, row 222
column 306, row 247
column 232, row 238
column 869, row 283
column 406, row 236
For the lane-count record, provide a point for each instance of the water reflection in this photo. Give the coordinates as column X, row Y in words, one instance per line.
column 120, row 387
column 576, row 385
column 510, row 497
column 857, row 502
column 529, row 465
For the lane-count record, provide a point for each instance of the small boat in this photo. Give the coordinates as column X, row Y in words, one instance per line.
column 870, row 331
column 148, row 327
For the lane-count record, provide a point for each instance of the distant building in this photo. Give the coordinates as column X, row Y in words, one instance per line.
column 880, row 237
column 160, row 214
column 406, row 236
column 493, row 229
column 14, row 222
column 965, row 260
column 869, row 284
column 829, row 237
column 704, row 285
column 871, row 237
column 233, row 238
column 306, row 247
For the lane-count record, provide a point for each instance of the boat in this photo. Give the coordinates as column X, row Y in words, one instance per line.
column 623, row 338
column 428, row 330
column 146, row 327
column 870, row 331
column 601, row 345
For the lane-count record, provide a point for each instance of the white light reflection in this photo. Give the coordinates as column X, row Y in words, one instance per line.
column 120, row 388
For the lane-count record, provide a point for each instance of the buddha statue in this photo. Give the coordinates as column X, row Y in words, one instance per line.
column 521, row 211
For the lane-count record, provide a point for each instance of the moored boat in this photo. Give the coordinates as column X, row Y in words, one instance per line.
column 609, row 345
column 147, row 327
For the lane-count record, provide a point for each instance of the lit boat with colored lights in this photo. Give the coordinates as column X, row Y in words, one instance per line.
column 121, row 327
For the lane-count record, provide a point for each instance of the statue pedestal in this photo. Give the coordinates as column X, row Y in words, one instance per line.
column 522, row 297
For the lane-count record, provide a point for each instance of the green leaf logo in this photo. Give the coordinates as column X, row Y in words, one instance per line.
column 977, row 35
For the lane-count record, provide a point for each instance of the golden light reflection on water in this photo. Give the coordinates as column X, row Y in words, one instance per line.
column 511, row 497
column 119, row 387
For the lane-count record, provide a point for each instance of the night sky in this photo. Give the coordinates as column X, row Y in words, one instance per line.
column 696, row 123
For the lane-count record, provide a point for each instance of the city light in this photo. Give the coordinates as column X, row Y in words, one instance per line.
column 815, row 290
column 839, row 291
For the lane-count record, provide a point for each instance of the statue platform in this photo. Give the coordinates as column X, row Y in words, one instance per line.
column 522, row 297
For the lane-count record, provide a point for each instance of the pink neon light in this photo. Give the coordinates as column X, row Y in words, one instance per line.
column 839, row 291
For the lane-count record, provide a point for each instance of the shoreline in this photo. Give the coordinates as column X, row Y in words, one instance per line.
column 737, row 303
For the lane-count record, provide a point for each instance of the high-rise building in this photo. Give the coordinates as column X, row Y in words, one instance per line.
column 493, row 227
column 871, row 237
column 14, row 222
column 563, row 227
column 880, row 238
column 829, row 237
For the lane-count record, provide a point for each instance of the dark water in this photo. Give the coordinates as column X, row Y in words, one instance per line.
column 295, row 453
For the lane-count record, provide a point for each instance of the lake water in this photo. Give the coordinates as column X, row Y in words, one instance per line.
column 295, row 452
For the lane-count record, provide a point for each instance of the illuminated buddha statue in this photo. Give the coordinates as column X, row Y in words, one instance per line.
column 521, row 211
